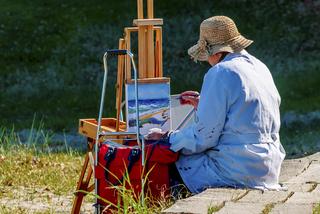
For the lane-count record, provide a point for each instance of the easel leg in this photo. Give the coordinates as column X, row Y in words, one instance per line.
column 83, row 184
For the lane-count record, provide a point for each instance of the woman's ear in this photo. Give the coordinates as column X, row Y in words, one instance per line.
column 214, row 59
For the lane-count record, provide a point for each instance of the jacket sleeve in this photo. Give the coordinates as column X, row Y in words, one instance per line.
column 212, row 111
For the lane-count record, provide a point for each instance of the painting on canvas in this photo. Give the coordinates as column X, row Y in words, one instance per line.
column 154, row 106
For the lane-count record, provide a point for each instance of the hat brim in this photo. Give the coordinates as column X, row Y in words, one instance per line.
column 197, row 53
column 234, row 46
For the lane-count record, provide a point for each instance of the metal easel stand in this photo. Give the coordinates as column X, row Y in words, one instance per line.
column 140, row 139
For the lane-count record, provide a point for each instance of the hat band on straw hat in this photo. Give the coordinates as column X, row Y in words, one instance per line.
column 228, row 41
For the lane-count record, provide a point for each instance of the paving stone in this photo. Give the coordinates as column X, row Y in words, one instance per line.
column 191, row 205
column 304, row 198
column 239, row 207
column 222, row 194
column 310, row 175
column 294, row 187
column 257, row 196
column 314, row 157
column 293, row 167
column 202, row 202
column 292, row 209
column 299, row 175
column 317, row 189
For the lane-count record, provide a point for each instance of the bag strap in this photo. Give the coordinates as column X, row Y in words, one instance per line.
column 133, row 157
column 110, row 155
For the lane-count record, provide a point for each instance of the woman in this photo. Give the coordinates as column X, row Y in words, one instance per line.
column 235, row 138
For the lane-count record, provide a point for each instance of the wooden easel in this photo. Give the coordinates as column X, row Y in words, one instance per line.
column 149, row 70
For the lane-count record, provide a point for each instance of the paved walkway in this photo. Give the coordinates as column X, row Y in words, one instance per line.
column 301, row 176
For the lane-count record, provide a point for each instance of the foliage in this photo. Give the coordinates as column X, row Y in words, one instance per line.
column 131, row 202
column 50, row 54
column 316, row 209
column 299, row 89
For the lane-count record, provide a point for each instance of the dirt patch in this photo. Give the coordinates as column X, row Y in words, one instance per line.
column 31, row 200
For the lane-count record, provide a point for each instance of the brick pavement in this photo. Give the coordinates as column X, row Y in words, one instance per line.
column 300, row 176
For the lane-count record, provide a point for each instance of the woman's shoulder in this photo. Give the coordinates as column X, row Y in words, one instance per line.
column 224, row 70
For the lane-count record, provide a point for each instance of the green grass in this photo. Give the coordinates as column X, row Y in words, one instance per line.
column 57, row 172
column 6, row 210
column 316, row 209
column 299, row 138
column 32, row 165
column 133, row 203
column 267, row 209
column 51, row 67
column 299, row 88
column 214, row 209
column 30, row 168
column 50, row 53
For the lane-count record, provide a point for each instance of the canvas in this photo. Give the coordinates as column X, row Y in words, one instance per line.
column 154, row 106
column 182, row 116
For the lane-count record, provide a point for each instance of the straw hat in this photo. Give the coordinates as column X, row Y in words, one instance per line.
column 218, row 34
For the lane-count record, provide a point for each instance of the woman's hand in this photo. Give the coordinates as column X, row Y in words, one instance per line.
column 190, row 98
column 154, row 134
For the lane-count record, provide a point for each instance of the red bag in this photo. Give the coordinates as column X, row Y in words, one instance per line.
column 115, row 160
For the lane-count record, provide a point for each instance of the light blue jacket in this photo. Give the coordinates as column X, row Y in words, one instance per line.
column 235, row 139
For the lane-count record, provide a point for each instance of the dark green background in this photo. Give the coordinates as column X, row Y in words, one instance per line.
column 51, row 56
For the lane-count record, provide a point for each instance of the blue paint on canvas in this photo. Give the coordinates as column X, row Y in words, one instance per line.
column 154, row 111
